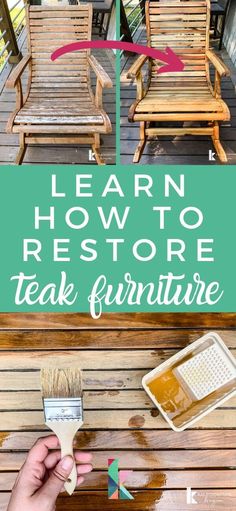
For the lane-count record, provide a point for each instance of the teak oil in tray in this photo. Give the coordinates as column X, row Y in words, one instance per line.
column 198, row 378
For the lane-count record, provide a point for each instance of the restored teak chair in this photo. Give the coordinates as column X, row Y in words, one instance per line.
column 59, row 106
column 187, row 95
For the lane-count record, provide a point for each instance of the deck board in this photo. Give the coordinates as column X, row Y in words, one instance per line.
column 154, row 479
column 159, row 500
column 120, row 420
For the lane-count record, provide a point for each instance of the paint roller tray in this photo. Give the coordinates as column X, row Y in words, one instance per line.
column 193, row 382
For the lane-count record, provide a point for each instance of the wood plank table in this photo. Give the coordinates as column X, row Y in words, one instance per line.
column 100, row 9
column 120, row 421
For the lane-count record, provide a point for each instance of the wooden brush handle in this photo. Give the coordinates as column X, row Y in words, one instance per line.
column 65, row 432
column 66, row 442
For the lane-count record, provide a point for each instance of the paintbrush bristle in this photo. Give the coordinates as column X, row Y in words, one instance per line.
column 61, row 383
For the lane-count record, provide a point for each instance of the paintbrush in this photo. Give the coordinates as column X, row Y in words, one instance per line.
column 63, row 410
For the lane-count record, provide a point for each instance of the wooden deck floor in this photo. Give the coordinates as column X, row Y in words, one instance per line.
column 120, row 420
column 60, row 154
column 174, row 150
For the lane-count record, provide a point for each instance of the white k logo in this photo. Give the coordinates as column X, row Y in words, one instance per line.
column 91, row 155
column 211, row 155
column 190, row 496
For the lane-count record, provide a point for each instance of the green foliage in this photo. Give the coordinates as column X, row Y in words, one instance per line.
column 132, row 15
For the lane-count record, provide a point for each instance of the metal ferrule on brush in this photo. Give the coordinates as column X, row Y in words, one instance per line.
column 59, row 409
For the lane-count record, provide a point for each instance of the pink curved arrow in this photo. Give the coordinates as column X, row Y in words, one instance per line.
column 173, row 62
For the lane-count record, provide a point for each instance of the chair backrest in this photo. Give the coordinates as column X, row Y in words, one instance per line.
column 48, row 29
column 183, row 25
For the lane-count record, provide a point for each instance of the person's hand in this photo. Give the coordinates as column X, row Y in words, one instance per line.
column 43, row 475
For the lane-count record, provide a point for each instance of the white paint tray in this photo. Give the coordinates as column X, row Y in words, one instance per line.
column 205, row 373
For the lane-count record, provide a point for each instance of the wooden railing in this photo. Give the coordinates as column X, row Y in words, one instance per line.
column 12, row 23
column 132, row 17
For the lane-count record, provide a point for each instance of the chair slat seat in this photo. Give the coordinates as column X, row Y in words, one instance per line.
column 55, row 112
column 181, row 102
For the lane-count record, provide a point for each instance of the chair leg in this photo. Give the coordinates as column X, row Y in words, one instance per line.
column 101, row 23
column 141, row 144
column 96, row 150
column 216, row 26
column 217, row 144
column 222, row 31
column 22, row 149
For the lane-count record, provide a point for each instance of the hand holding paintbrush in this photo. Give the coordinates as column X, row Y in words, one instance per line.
column 63, row 409
column 42, row 476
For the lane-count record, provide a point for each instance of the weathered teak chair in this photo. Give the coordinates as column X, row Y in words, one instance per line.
column 59, row 106
column 179, row 96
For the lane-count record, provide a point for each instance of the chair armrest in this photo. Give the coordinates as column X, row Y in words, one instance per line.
column 135, row 68
column 219, row 65
column 17, row 72
column 101, row 74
